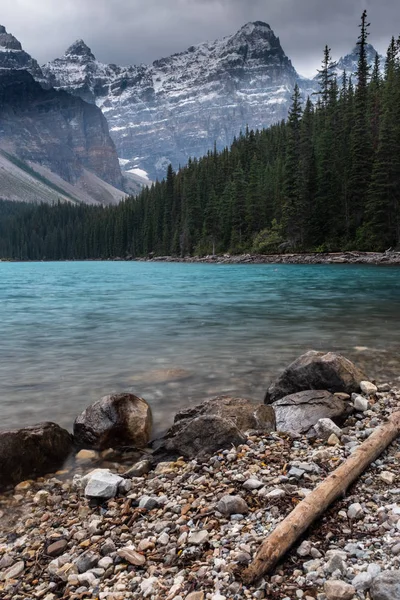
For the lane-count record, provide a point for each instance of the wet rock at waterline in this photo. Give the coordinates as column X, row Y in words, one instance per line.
column 316, row 371
column 199, row 437
column 32, row 451
column 245, row 414
column 298, row 413
column 201, row 430
column 114, row 422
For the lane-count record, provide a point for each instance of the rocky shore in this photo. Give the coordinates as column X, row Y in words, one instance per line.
column 320, row 258
column 181, row 518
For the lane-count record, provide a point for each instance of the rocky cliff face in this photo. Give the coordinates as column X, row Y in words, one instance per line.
column 55, row 130
column 12, row 56
column 179, row 106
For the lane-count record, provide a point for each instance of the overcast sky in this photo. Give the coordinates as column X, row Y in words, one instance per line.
column 140, row 31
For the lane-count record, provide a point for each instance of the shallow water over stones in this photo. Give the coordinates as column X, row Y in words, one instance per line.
column 177, row 334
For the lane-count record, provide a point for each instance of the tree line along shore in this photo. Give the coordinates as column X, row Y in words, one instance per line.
column 326, row 180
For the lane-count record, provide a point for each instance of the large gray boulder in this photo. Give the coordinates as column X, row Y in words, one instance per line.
column 245, row 414
column 316, row 371
column 386, row 586
column 298, row 413
column 114, row 422
column 32, row 452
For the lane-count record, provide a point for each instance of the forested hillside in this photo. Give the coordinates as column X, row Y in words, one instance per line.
column 327, row 179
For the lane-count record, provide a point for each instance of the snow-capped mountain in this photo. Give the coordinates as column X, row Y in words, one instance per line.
column 179, row 106
column 12, row 56
column 349, row 63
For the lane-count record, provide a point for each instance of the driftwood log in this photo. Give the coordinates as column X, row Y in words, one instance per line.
column 316, row 503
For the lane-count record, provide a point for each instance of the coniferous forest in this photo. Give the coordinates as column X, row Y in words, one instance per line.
column 327, row 179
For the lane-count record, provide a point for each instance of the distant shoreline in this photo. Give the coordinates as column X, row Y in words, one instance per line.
column 373, row 258
column 308, row 258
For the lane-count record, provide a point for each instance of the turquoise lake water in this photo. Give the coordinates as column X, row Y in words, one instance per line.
column 179, row 333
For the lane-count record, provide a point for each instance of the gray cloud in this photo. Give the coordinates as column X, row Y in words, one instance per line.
column 135, row 31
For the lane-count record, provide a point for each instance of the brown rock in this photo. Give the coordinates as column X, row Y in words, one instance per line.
column 316, row 371
column 113, row 422
column 201, row 437
column 57, row 548
column 132, row 557
column 244, row 413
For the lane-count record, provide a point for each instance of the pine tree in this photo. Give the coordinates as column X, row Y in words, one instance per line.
column 361, row 145
column 292, row 198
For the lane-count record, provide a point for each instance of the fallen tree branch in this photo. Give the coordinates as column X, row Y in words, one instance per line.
column 316, row 503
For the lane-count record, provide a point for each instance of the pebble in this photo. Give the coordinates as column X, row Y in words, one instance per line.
column 368, row 388
column 148, row 502
column 355, row 511
column 387, row 477
column 132, row 557
column 198, row 537
column 333, row 440
column 56, row 548
column 232, row 505
column 338, row 590
column 102, row 483
column 360, row 403
column 171, row 525
column 326, row 427
column 14, row 571
column 304, row 549
column 362, row 581
column 253, row 484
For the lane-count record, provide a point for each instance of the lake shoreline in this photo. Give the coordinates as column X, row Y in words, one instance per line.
column 307, row 258
column 371, row 258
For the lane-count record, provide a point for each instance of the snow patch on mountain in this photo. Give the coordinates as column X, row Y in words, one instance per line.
column 180, row 105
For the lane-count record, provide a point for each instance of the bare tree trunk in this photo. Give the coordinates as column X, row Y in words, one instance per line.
column 316, row 503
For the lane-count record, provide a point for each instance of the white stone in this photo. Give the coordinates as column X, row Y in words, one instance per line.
column 360, row 403
column 102, row 484
column 278, row 493
column 163, row 539
column 387, row 477
column 355, row 511
column 325, row 428
column 198, row 537
column 149, row 586
column 304, row 549
column 368, row 388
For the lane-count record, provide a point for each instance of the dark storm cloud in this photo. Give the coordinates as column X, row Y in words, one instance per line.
column 134, row 31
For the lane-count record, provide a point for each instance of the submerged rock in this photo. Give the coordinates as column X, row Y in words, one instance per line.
column 298, row 413
column 316, row 371
column 113, row 422
column 32, row 451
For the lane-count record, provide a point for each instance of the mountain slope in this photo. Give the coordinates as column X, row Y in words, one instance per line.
column 60, row 134
column 179, row 106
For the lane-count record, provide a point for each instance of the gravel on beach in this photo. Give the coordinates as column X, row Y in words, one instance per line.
column 186, row 529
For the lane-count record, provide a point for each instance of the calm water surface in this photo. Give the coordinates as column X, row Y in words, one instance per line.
column 178, row 333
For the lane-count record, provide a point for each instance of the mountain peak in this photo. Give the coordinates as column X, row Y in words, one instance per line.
column 80, row 48
column 8, row 41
